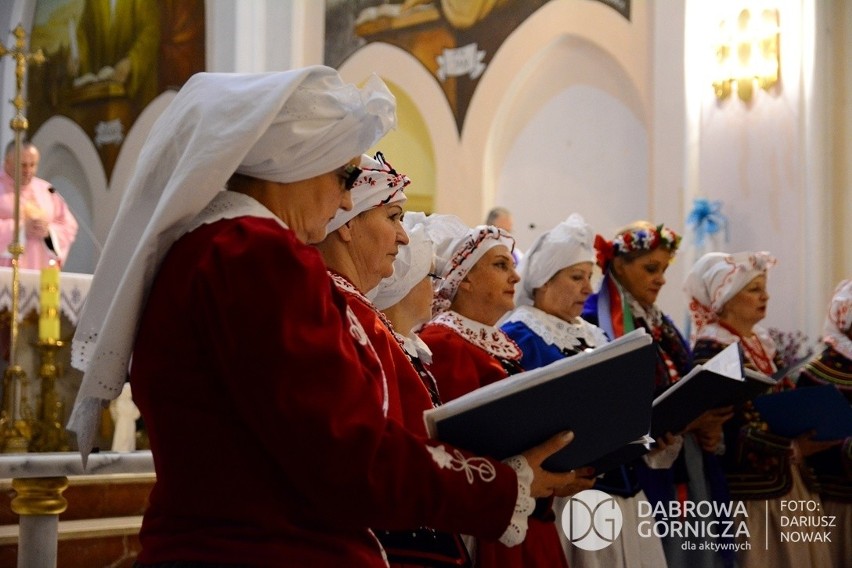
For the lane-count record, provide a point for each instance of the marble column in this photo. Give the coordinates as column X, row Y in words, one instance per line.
column 39, row 480
column 39, row 502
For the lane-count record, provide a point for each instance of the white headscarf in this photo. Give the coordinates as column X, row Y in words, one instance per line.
column 378, row 184
column 413, row 263
column 839, row 319
column 281, row 127
column 717, row 277
column 457, row 249
column 568, row 243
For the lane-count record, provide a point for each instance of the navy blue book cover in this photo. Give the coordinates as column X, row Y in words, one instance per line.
column 719, row 382
column 794, row 412
column 604, row 396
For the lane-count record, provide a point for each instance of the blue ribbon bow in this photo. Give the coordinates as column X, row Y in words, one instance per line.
column 707, row 219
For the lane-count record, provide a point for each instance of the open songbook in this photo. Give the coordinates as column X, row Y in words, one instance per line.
column 719, row 382
column 603, row 395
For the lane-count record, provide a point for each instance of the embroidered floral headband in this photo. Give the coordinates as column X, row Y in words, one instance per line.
column 635, row 240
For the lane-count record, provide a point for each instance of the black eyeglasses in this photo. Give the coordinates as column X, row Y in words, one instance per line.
column 349, row 173
column 437, row 281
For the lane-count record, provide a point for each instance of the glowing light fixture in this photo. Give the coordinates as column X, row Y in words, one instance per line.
column 747, row 52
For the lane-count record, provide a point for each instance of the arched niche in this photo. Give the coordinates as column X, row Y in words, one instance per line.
column 70, row 162
column 572, row 136
column 423, row 145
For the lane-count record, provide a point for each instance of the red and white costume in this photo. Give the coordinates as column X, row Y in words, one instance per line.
column 468, row 354
column 302, row 478
column 265, row 404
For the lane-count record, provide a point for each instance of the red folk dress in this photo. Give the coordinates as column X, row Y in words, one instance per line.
column 467, row 355
column 407, row 395
column 266, row 411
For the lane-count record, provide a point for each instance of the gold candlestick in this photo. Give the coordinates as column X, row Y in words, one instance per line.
column 15, row 417
column 50, row 435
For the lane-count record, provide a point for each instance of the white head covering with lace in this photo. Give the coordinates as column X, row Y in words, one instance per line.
column 839, row 319
column 570, row 242
column 281, row 127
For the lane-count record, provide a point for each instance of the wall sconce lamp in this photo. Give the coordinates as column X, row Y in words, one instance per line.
column 747, row 52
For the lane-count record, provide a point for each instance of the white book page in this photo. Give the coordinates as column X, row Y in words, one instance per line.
column 726, row 363
column 758, row 376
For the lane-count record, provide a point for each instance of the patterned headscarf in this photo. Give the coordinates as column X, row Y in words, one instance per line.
column 377, row 184
column 568, row 243
column 839, row 319
column 413, row 263
column 717, row 277
column 457, row 249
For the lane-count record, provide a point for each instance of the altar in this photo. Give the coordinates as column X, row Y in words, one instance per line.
column 55, row 511
column 73, row 290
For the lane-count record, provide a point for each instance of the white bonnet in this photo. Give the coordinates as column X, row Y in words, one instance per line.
column 378, row 184
column 568, row 243
column 412, row 264
column 287, row 126
column 323, row 124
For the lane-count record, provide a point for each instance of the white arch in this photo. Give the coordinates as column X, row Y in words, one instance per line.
column 525, row 53
column 573, row 144
column 425, row 92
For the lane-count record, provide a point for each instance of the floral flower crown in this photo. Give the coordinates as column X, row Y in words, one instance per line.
column 644, row 239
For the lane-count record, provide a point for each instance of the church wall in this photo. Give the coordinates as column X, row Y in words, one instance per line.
column 581, row 110
column 768, row 161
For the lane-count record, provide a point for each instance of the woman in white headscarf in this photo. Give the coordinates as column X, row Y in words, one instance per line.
column 833, row 366
column 727, row 300
column 360, row 250
column 469, row 351
column 556, row 280
column 405, row 297
column 477, row 287
column 248, row 367
column 405, row 303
